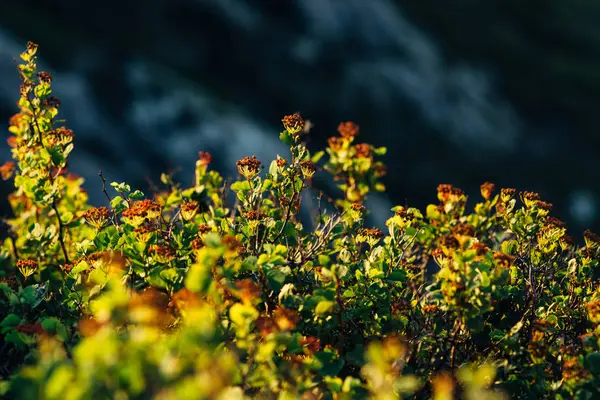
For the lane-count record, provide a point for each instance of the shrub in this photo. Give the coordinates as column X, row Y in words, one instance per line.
column 185, row 295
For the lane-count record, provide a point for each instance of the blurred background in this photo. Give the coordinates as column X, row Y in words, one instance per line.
column 460, row 91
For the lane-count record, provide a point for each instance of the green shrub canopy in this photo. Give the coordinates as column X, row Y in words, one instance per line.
column 186, row 296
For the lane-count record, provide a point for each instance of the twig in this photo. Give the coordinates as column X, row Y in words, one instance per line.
column 61, row 228
column 115, row 219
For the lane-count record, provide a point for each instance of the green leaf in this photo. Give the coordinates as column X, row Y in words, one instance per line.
column 79, row 268
column 242, row 314
column 66, row 217
column 240, row 186
column 398, row 275
column 324, row 306
column 118, row 204
column 198, row 278
column 276, row 277
column 286, row 138
column 54, row 326
column 32, row 295
column 136, row 195
column 327, row 363
column 317, row 156
column 98, row 277
column 9, row 322
column 380, row 151
column 593, row 361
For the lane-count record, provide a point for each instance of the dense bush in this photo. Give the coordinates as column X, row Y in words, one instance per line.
column 189, row 295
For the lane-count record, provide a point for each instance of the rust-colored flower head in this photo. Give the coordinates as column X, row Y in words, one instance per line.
column 566, row 242
column 503, row 260
column 348, row 129
column 430, row 308
column 530, row 198
column 357, row 210
column 464, row 230
column 97, row 217
column 487, row 189
column 32, row 47
column 463, row 233
column 308, row 168
column 402, row 216
column 336, row 143
column 107, row 260
column 310, row 344
column 293, row 123
column 30, row 329
column 162, row 254
column 19, row 121
column 592, row 240
column 362, row 150
column 61, row 136
column 44, row 77
column 11, row 281
column 52, row 102
column 145, row 232
column 249, row 167
column 26, row 88
column 204, row 158
column 265, row 325
column 593, row 309
column 197, row 244
column 232, row 244
column 280, row 162
column 448, row 244
column 443, row 385
column 357, row 207
column 7, row 170
column 572, row 370
column 555, row 222
column 369, row 235
column 543, row 208
column 456, row 195
column 443, row 192
column 189, row 210
column 247, row 290
column 184, row 298
column 204, row 228
column 285, row 319
column 140, row 211
column 27, row 267
column 506, row 194
column 379, row 170
column 438, row 256
column 254, row 215
column 480, row 249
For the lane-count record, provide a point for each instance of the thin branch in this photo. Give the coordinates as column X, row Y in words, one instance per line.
column 115, row 219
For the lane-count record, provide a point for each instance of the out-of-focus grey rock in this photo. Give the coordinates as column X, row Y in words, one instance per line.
column 148, row 85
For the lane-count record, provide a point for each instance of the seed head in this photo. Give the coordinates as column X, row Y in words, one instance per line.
column 27, row 267
column 204, row 158
column 249, row 167
column 363, row 150
column 487, row 189
column 7, row 169
column 189, row 210
column 308, row 168
column 294, row 123
column 336, row 143
column 45, row 77
column 348, row 129
column 97, row 217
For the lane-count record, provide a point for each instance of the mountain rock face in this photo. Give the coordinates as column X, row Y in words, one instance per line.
column 148, row 85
